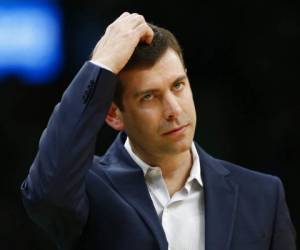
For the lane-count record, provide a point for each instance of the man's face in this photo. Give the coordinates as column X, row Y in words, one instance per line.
column 159, row 113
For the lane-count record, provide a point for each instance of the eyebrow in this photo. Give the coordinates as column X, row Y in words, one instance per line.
column 145, row 91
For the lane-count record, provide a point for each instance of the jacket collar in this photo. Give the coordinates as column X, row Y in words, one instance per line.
column 219, row 192
column 128, row 178
column 220, row 201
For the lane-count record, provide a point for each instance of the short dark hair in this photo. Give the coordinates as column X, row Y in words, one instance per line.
column 145, row 56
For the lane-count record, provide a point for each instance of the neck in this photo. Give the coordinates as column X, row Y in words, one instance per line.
column 175, row 167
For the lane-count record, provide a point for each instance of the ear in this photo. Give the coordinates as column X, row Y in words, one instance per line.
column 114, row 118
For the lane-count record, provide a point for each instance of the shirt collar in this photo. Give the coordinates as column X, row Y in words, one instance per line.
column 195, row 172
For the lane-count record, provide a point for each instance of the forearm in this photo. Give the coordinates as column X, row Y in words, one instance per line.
column 67, row 145
column 54, row 191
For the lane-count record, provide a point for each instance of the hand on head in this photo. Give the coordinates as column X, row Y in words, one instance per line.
column 121, row 37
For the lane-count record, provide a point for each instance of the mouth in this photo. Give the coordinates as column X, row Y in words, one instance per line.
column 177, row 130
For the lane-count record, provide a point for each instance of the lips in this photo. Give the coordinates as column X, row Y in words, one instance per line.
column 176, row 130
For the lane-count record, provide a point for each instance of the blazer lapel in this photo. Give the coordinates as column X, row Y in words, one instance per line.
column 128, row 179
column 220, row 203
column 220, row 194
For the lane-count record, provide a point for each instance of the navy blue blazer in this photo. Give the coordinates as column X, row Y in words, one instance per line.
column 87, row 202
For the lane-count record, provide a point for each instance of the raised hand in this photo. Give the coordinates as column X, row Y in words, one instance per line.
column 120, row 39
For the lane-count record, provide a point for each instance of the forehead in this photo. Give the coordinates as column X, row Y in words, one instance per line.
column 168, row 68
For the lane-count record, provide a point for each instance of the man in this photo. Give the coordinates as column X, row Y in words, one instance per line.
column 154, row 188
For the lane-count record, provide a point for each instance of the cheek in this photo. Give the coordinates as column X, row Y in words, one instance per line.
column 143, row 121
column 148, row 121
column 148, row 113
column 190, row 99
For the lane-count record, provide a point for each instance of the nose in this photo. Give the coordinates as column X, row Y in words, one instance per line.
column 172, row 107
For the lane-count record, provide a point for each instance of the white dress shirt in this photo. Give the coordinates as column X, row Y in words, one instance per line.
column 182, row 215
column 101, row 65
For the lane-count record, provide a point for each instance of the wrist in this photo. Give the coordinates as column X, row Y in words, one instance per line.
column 102, row 65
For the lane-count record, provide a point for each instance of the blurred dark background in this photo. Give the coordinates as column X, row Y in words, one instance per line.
column 243, row 62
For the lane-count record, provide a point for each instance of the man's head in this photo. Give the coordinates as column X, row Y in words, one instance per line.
column 145, row 56
column 157, row 109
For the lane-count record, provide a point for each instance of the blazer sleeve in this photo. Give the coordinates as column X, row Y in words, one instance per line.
column 284, row 234
column 54, row 191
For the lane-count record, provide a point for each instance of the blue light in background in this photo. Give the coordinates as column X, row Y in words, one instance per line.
column 30, row 41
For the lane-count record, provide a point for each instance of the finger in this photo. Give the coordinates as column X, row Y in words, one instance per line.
column 133, row 20
column 138, row 20
column 124, row 14
column 121, row 17
column 146, row 33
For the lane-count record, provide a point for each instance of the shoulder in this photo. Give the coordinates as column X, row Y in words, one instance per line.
column 249, row 181
column 254, row 183
column 243, row 173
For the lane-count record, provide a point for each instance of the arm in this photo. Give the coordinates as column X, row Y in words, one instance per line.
column 54, row 190
column 284, row 234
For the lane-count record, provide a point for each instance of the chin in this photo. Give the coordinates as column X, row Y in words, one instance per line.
column 180, row 147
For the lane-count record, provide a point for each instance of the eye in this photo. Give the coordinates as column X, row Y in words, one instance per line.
column 147, row 97
column 178, row 86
